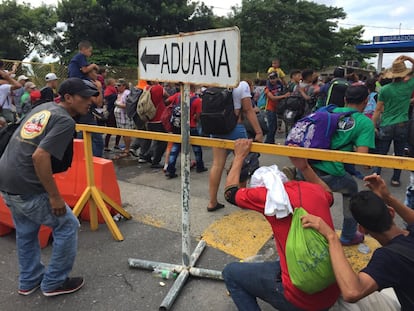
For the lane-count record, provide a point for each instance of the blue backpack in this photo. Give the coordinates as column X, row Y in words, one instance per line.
column 317, row 129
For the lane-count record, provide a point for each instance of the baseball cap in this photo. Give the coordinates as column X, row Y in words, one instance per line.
column 121, row 82
column 51, row 77
column 356, row 94
column 29, row 85
column 76, row 86
column 273, row 74
column 22, row 77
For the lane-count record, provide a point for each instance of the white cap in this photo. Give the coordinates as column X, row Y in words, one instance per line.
column 51, row 77
column 22, row 77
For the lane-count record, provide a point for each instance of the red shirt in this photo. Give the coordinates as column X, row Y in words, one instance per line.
column 195, row 106
column 109, row 90
column 157, row 96
column 316, row 201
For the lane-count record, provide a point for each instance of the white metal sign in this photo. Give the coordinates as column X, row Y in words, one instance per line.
column 209, row 57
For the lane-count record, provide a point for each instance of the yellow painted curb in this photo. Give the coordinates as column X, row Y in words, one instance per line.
column 357, row 259
column 241, row 234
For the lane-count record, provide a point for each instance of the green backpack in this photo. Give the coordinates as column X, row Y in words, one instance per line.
column 307, row 256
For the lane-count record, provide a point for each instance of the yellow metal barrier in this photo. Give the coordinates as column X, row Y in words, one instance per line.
column 97, row 198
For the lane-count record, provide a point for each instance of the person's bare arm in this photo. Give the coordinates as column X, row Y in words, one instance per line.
column 276, row 97
column 241, row 150
column 43, row 168
column 308, row 172
column 378, row 110
column 9, row 80
column 98, row 100
column 86, row 69
column 378, row 185
column 353, row 286
column 250, row 114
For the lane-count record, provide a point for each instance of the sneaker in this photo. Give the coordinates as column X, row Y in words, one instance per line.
column 133, row 152
column 26, row 292
column 157, row 165
column 171, row 176
column 358, row 238
column 144, row 159
column 201, row 170
column 71, row 285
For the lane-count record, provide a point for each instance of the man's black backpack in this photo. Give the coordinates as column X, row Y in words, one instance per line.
column 217, row 112
column 5, row 135
column 132, row 102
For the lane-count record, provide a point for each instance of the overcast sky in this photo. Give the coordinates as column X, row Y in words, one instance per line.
column 380, row 17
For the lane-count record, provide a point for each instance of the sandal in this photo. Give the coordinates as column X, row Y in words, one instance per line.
column 395, row 183
column 215, row 208
column 121, row 156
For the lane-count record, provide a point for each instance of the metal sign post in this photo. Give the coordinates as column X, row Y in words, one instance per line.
column 208, row 58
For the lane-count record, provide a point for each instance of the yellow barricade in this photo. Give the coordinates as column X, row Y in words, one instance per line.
column 97, row 199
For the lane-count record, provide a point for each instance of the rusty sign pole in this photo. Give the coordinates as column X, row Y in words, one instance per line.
column 225, row 43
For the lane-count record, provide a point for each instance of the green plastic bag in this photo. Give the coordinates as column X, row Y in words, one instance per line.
column 307, row 256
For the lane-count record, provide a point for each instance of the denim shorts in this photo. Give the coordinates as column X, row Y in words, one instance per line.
column 238, row 132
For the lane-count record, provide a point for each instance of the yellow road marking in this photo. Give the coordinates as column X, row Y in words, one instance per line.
column 241, row 234
column 357, row 259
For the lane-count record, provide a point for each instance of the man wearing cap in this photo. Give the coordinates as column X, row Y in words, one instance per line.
column 25, row 102
column 48, row 92
column 394, row 102
column 41, row 146
column 18, row 93
column 355, row 131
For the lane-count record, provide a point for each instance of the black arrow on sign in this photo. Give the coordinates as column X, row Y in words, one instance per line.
column 149, row 59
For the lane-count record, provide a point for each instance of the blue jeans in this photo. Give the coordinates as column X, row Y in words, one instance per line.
column 29, row 212
column 248, row 281
column 238, row 132
column 272, row 125
column 348, row 187
column 175, row 151
column 97, row 143
column 397, row 133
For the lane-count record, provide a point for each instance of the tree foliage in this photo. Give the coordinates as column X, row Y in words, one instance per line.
column 301, row 33
column 24, row 29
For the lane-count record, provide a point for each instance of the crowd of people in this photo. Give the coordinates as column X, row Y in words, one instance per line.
column 378, row 113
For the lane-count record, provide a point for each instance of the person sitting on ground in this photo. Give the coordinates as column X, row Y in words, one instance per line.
column 270, row 281
column 392, row 264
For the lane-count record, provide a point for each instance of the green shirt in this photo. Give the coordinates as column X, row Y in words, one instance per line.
column 356, row 130
column 396, row 98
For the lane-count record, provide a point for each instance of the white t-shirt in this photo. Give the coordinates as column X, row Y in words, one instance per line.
column 240, row 92
column 5, row 96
